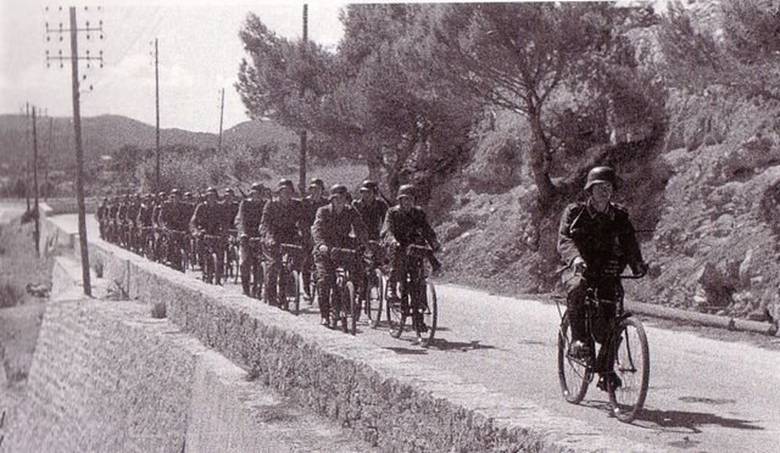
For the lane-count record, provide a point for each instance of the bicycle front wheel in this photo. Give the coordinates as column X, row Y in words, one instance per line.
column 573, row 374
column 374, row 296
column 430, row 312
column 351, row 305
column 632, row 367
column 295, row 290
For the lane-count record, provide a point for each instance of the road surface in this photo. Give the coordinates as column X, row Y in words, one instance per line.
column 705, row 394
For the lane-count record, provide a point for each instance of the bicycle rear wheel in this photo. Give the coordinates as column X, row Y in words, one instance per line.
column 573, row 374
column 397, row 311
column 632, row 366
column 374, row 296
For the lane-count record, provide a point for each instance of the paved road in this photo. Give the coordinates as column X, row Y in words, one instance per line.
column 705, row 395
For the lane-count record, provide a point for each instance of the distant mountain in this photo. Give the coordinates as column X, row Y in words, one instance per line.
column 106, row 134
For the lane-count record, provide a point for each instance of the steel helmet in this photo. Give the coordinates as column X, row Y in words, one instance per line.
column 369, row 186
column 285, row 183
column 257, row 186
column 338, row 189
column 600, row 175
column 316, row 182
column 406, row 190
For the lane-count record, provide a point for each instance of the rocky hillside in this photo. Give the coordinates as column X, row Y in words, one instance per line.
column 706, row 190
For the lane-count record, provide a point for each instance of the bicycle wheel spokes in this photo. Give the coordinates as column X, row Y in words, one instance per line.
column 430, row 312
column 396, row 314
column 632, row 367
column 374, row 296
column 573, row 374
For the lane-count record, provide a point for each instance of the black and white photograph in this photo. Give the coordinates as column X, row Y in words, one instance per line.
column 234, row 226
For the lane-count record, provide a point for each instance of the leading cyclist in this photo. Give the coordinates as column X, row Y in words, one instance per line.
column 597, row 239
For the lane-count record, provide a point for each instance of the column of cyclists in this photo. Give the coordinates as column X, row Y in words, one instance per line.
column 361, row 260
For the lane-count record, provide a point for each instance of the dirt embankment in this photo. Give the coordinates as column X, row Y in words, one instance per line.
column 20, row 310
column 708, row 190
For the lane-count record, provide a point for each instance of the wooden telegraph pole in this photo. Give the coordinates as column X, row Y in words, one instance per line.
column 303, row 134
column 27, row 160
column 157, row 117
column 37, row 232
column 221, row 114
column 74, row 60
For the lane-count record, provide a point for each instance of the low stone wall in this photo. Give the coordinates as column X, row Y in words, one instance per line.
column 69, row 205
column 105, row 377
column 108, row 377
column 388, row 400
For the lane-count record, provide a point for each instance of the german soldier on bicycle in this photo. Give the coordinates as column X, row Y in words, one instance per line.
column 596, row 238
column 405, row 224
column 102, row 215
column 173, row 216
column 250, row 213
column 331, row 228
column 280, row 224
column 313, row 202
column 208, row 219
column 371, row 209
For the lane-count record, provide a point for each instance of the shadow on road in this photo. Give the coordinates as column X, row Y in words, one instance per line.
column 443, row 345
column 691, row 421
column 406, row 351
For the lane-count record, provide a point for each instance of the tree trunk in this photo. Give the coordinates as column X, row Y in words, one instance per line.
column 540, row 160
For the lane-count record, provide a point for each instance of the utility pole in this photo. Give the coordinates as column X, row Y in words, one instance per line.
column 49, row 154
column 74, row 60
column 27, row 160
column 302, row 164
column 157, row 116
column 221, row 113
column 37, row 232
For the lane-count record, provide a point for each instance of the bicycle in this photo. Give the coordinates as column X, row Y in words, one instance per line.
column 344, row 307
column 289, row 286
column 373, row 295
column 212, row 256
column 417, row 298
column 171, row 244
column 623, row 355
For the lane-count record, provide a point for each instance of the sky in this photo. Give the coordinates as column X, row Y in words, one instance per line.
column 199, row 54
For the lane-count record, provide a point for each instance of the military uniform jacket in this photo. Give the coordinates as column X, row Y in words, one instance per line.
column 310, row 207
column 373, row 216
column 121, row 212
column 599, row 238
column 144, row 215
column 250, row 213
column 332, row 229
column 229, row 212
column 407, row 227
column 173, row 216
column 208, row 218
column 113, row 209
column 156, row 214
column 132, row 212
column 282, row 223
column 101, row 211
